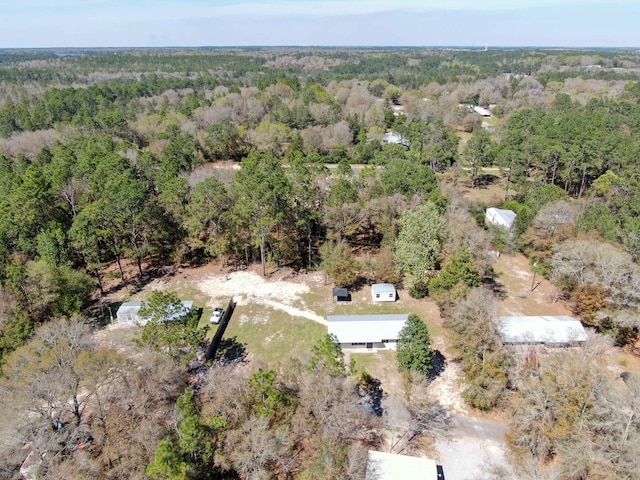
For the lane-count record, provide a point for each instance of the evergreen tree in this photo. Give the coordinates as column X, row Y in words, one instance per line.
column 414, row 352
column 460, row 269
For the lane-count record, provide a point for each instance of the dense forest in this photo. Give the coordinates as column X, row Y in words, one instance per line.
column 123, row 162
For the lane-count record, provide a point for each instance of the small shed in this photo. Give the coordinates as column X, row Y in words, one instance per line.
column 551, row 331
column 128, row 315
column 369, row 332
column 341, row 294
column 388, row 466
column 500, row 217
column 383, row 292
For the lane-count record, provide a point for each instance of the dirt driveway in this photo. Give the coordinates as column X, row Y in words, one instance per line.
column 474, row 449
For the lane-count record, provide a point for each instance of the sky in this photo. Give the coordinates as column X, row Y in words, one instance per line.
column 474, row 23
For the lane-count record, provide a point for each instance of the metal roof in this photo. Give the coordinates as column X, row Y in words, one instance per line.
column 129, row 307
column 501, row 216
column 340, row 292
column 366, row 328
column 544, row 329
column 387, row 466
column 128, row 312
column 383, row 288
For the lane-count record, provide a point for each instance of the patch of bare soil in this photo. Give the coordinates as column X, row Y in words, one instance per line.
column 522, row 293
column 281, row 291
column 446, row 388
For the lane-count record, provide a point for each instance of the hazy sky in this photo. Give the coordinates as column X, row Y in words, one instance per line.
column 121, row 23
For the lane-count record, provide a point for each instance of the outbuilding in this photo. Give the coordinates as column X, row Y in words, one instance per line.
column 128, row 315
column 383, row 292
column 388, row 466
column 500, row 217
column 550, row 331
column 379, row 332
column 341, row 294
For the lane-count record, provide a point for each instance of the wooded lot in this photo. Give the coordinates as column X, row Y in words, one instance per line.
column 117, row 168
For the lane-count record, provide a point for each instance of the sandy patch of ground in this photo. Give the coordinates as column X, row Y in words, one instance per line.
column 249, row 287
column 521, row 293
column 475, row 446
column 447, row 390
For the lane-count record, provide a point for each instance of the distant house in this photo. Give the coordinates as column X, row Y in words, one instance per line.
column 387, row 466
column 383, row 292
column 482, row 111
column 341, row 294
column 394, row 138
column 398, row 109
column 128, row 315
column 551, row 331
column 500, row 217
column 370, row 332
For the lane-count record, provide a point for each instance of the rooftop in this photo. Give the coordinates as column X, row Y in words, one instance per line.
column 366, row 328
column 387, row 466
column 541, row 329
column 383, row 288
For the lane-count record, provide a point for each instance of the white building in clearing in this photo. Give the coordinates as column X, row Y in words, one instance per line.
column 383, row 292
column 551, row 331
column 394, row 138
column 379, row 332
column 128, row 315
column 481, row 111
column 388, row 466
column 500, row 217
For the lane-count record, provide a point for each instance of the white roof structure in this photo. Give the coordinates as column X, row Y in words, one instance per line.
column 500, row 217
column 482, row 111
column 549, row 330
column 366, row 328
column 396, row 138
column 383, row 288
column 387, row 466
column 383, row 292
column 128, row 315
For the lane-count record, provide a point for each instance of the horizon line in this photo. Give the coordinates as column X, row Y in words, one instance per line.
column 469, row 47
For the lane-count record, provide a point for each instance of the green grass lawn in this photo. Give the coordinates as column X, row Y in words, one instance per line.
column 272, row 336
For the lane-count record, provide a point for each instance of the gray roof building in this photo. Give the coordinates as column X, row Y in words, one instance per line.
column 128, row 315
column 552, row 331
column 370, row 331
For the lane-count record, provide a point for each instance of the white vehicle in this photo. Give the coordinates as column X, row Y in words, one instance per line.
column 216, row 316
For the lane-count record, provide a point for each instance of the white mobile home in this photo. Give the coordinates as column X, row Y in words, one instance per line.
column 551, row 331
column 379, row 332
column 500, row 217
column 383, row 292
column 128, row 315
column 388, row 466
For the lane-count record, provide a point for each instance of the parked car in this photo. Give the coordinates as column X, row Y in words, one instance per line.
column 216, row 316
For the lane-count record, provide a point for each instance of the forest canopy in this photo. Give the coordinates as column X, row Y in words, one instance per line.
column 118, row 165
